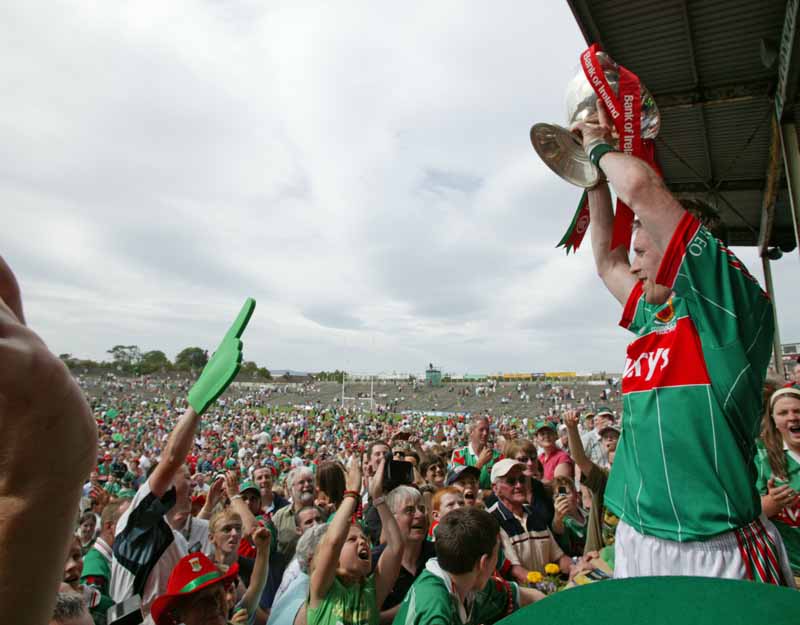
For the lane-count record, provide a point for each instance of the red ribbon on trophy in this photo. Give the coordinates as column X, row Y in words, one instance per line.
column 625, row 110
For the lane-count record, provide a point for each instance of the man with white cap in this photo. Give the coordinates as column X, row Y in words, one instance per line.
column 525, row 537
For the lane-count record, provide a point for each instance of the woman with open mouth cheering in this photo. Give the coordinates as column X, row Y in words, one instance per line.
column 779, row 468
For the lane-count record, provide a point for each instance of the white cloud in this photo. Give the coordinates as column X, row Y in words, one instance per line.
column 362, row 169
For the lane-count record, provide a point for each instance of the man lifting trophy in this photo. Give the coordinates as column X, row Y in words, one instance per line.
column 683, row 479
column 636, row 123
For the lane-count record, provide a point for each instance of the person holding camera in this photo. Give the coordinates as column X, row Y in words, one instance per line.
column 570, row 520
column 408, row 507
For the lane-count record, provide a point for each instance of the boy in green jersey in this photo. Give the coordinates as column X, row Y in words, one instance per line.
column 457, row 587
column 683, row 480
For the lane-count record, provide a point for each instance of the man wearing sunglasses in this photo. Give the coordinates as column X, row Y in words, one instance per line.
column 525, row 537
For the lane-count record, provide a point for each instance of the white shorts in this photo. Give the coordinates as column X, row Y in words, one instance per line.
column 639, row 555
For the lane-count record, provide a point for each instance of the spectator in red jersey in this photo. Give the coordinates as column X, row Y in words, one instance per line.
column 555, row 461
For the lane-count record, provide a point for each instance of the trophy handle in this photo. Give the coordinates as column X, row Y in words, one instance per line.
column 562, row 152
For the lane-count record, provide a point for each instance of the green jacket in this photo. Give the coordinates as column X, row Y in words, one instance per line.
column 432, row 601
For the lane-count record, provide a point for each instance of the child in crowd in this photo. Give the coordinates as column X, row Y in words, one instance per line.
column 444, row 500
column 343, row 588
column 457, row 586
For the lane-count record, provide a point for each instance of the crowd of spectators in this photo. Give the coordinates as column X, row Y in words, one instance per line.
column 264, row 494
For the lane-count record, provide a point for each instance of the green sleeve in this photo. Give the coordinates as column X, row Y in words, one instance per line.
column 427, row 603
column 491, row 603
column 98, row 613
column 607, row 555
column 764, row 471
column 595, row 480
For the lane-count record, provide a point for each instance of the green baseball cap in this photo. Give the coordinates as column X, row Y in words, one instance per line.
column 248, row 485
column 540, row 425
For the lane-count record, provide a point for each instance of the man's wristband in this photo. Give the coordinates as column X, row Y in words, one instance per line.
column 599, row 151
column 378, row 501
column 236, row 497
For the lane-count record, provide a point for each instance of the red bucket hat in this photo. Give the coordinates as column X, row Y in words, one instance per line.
column 192, row 573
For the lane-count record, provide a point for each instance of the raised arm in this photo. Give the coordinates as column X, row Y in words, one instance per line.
column 634, row 182
column 179, row 444
column 327, row 556
column 613, row 266
column 249, row 522
column 218, row 373
column 47, row 449
column 388, row 567
column 571, row 418
column 258, row 578
column 212, row 499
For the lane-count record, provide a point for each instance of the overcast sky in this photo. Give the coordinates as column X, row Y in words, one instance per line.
column 362, row 169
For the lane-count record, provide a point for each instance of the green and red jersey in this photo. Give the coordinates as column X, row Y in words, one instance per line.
column 787, row 520
column 465, row 456
column 691, row 388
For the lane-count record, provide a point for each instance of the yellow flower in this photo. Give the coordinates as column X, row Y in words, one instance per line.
column 552, row 569
column 534, row 577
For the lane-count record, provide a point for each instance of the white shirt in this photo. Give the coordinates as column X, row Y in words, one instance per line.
column 151, row 549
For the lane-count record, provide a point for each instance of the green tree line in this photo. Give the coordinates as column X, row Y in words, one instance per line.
column 130, row 360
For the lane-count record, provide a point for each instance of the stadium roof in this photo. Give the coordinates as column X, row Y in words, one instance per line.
column 702, row 61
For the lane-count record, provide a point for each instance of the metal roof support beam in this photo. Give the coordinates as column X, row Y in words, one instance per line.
column 725, row 94
column 770, row 188
column 700, row 186
column 789, row 61
column 777, row 352
column 585, row 21
column 696, row 82
column 791, row 161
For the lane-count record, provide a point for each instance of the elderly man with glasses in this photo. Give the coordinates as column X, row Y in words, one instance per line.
column 525, row 537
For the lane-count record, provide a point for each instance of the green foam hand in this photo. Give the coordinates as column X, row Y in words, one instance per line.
column 223, row 366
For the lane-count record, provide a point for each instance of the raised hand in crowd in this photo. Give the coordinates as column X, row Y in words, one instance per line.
column 47, row 450
column 249, row 603
column 213, row 497
column 582, row 461
column 100, row 496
